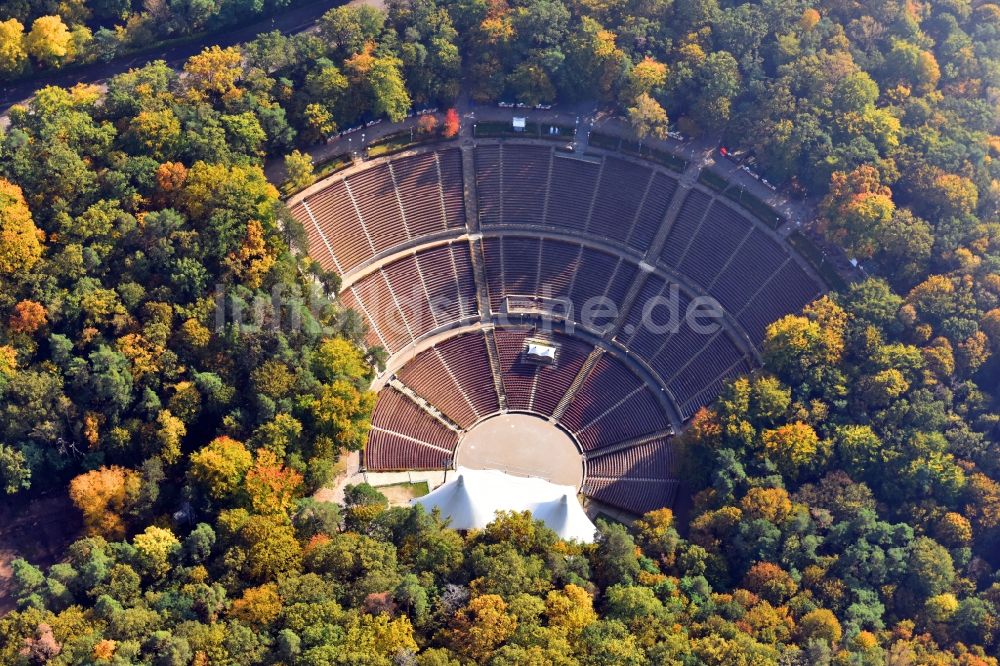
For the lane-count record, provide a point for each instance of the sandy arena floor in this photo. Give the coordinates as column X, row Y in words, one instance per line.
column 524, row 445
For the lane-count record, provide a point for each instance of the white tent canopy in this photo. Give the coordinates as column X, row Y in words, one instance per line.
column 541, row 351
column 473, row 497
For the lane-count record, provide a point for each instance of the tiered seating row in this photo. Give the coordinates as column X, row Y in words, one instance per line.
column 566, row 273
column 574, row 183
column 637, row 497
column 455, row 377
column 622, row 201
column 688, row 361
column 376, row 209
column 754, row 263
column 404, row 436
column 389, row 452
column 331, row 221
column 452, row 187
column 395, row 412
column 653, row 211
column 750, row 274
column 408, row 298
column 419, row 188
column 374, row 193
column 721, row 232
column 517, row 375
column 623, row 186
column 685, row 226
column 489, row 185
column 788, row 291
column 612, row 405
column 524, row 183
column 552, row 382
column 649, row 461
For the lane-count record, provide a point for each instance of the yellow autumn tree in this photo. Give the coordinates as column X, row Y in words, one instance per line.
column 770, row 504
column 20, row 239
column 8, row 361
column 156, row 545
column 220, row 466
column 258, row 606
column 102, row 496
column 648, row 118
column 820, row 624
column 299, row 171
column 214, row 71
column 49, row 41
column 208, row 186
column 570, row 609
column 252, row 261
column 342, row 409
column 480, row 627
column 170, row 430
column 856, row 210
column 381, row 636
column 794, row 446
column 13, row 48
column 647, row 75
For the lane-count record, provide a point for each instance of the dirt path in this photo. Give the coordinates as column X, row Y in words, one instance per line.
column 350, row 476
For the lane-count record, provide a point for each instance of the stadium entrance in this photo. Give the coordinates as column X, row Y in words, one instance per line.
column 524, row 445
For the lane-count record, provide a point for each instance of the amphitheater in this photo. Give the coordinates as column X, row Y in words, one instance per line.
column 474, row 266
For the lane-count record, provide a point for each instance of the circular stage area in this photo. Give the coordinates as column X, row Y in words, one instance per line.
column 523, row 445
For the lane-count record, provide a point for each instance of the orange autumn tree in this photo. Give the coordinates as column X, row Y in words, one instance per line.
column 426, row 124
column 103, row 495
column 451, row 124
column 271, row 486
column 856, row 211
column 28, row 317
column 170, row 176
column 258, row 606
column 20, row 239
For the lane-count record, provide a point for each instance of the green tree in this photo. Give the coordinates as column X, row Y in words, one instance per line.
column 299, row 170
column 615, row 560
column 391, row 98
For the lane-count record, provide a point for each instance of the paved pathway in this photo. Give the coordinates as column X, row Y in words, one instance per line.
column 700, row 153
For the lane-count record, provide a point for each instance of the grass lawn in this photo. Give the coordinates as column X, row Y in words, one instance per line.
column 398, row 142
column 401, row 493
column 755, row 205
column 532, row 130
column 605, row 141
column 713, row 180
column 815, row 257
column 321, row 170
